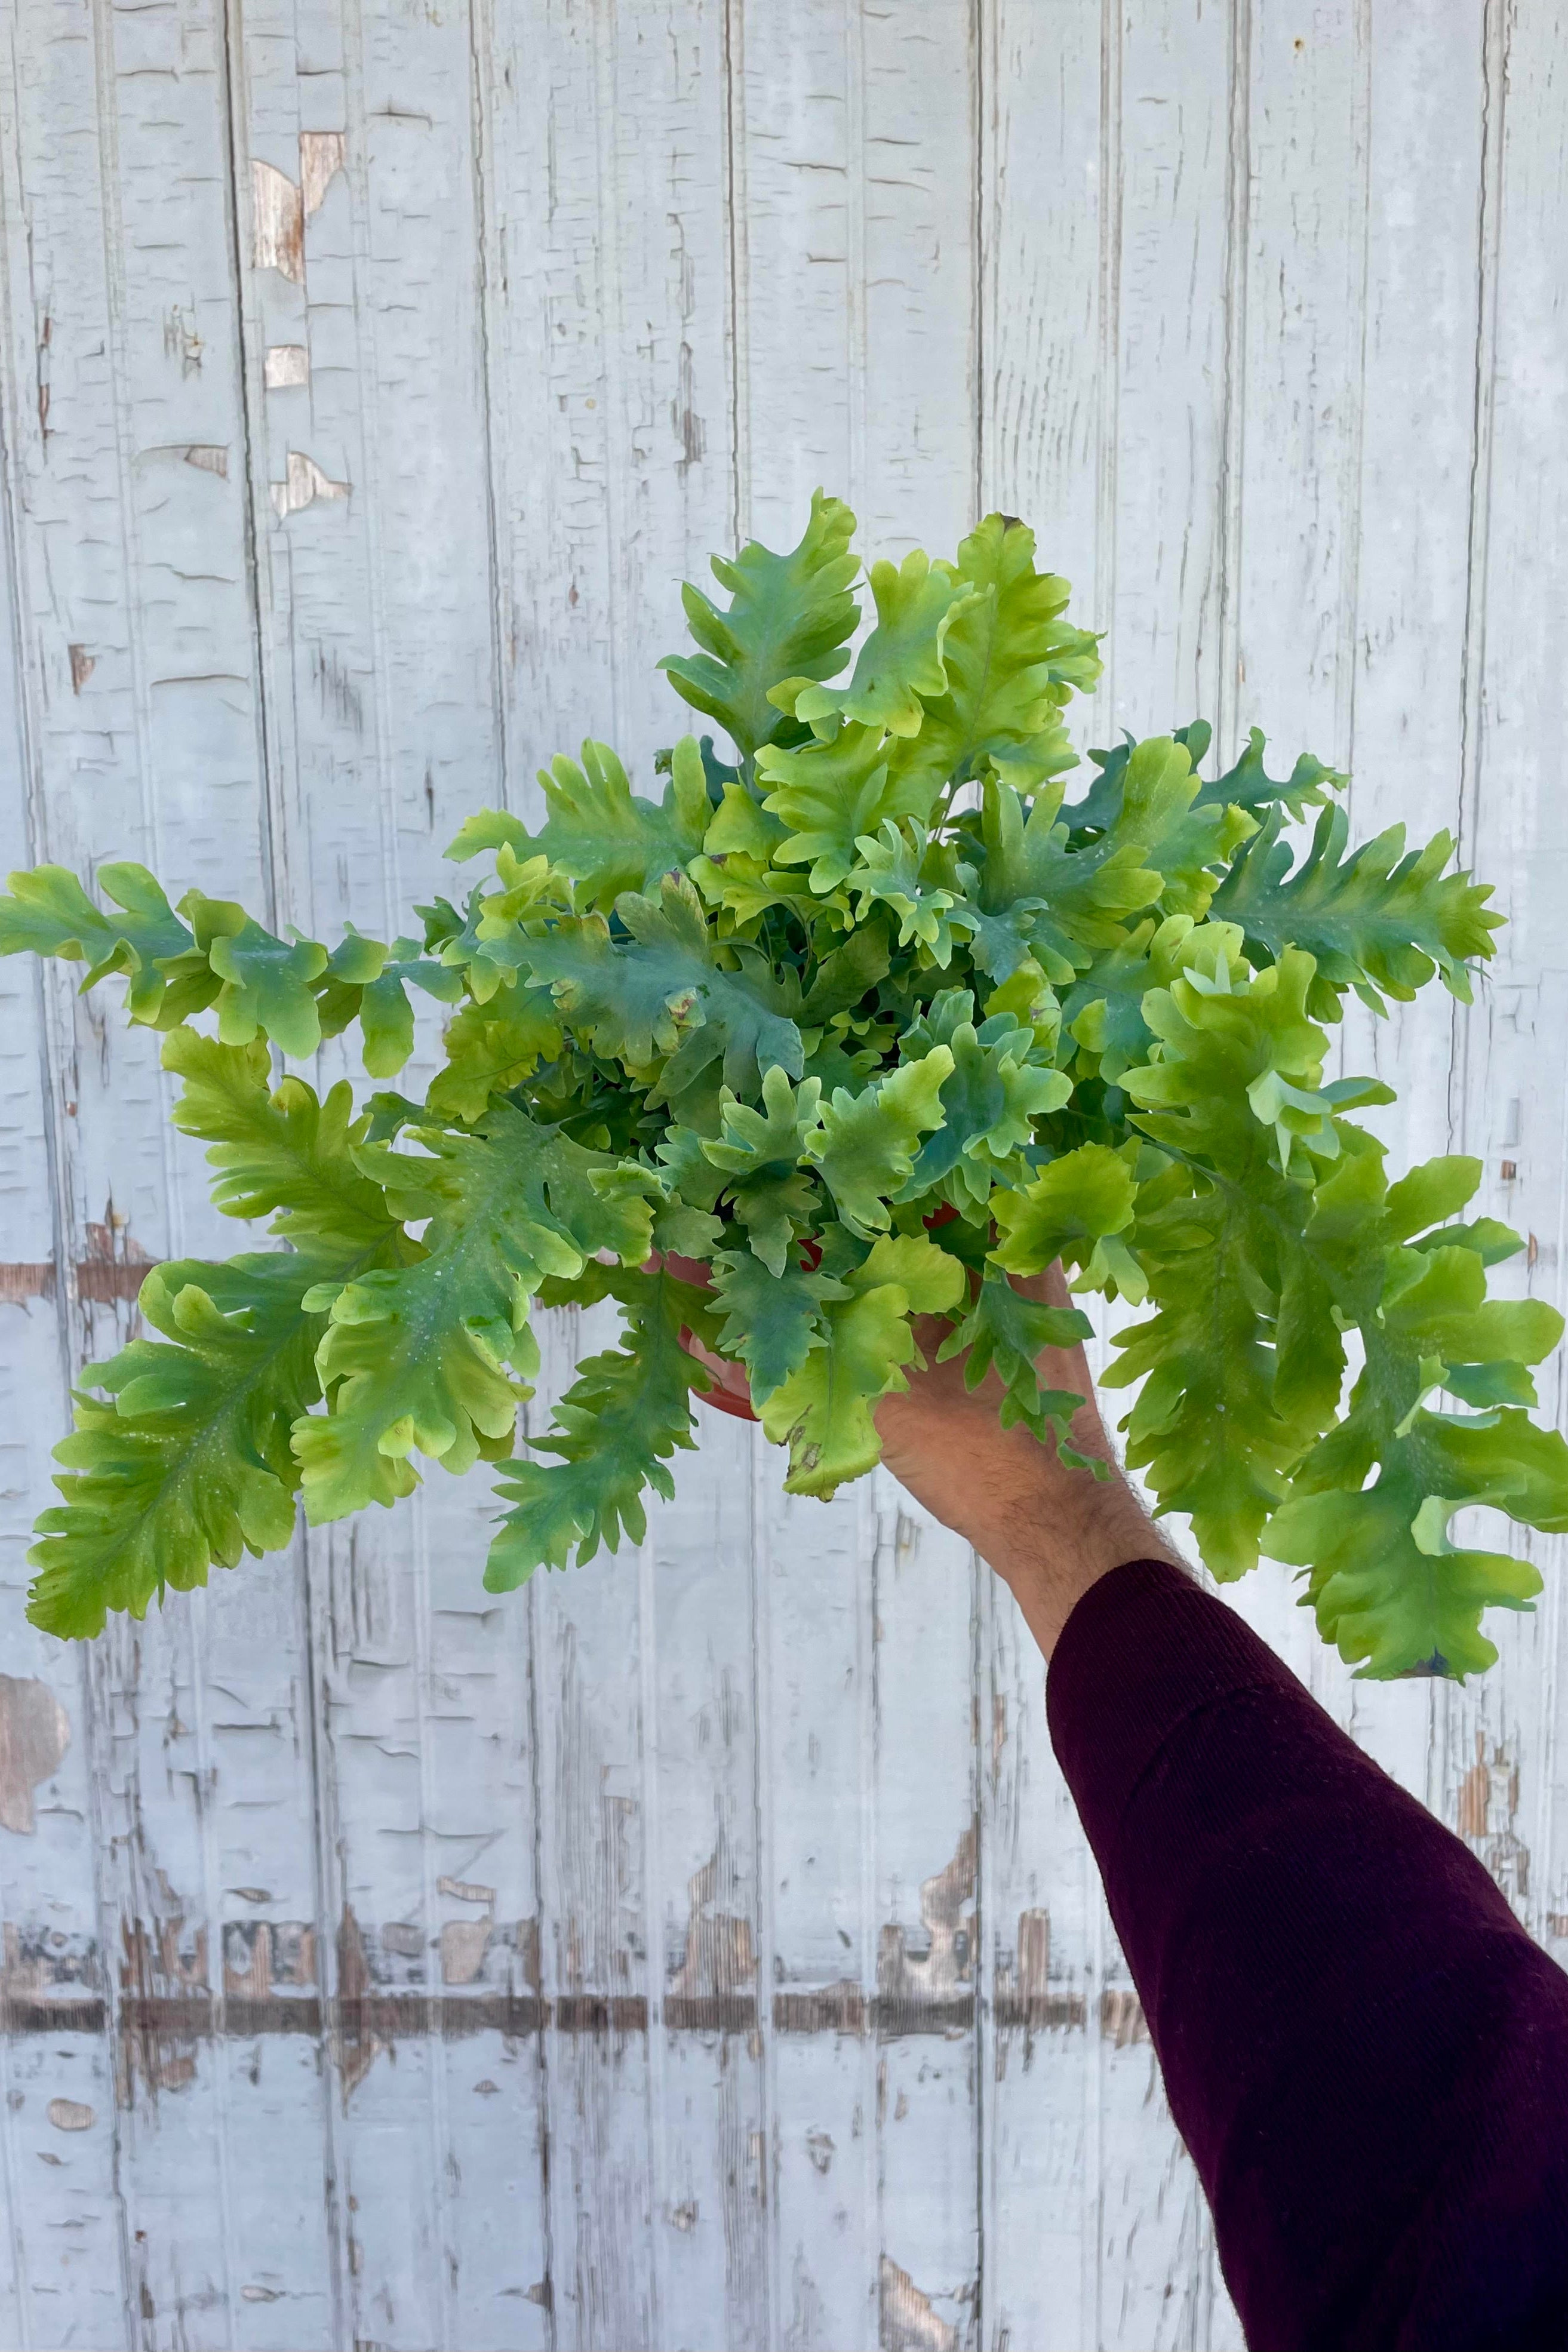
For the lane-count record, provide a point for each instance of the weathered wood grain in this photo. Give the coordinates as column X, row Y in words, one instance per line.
column 699, row 1949
column 60, row 2277
column 1498, row 1765
column 137, row 654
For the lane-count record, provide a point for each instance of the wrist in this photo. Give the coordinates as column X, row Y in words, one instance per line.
column 1050, row 1546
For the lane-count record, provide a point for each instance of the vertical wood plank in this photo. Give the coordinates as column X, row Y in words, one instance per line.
column 138, row 650
column 857, row 320
column 1498, row 1771
column 62, row 2278
column 817, row 1639
column 607, row 141
column 1050, row 176
column 370, row 499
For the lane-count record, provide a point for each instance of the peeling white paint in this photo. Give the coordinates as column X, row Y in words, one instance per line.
column 321, row 155
column 284, row 366
column 689, row 1842
column 277, row 222
column 71, row 2115
column 302, row 485
column 35, row 1732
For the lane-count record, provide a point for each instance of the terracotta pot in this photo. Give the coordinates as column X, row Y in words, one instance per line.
column 732, row 1392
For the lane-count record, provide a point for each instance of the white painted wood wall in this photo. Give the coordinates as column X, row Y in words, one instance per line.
column 698, row 1950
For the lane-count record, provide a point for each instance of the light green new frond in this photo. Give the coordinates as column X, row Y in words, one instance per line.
column 867, row 1143
column 1103, row 1010
column 366, row 981
column 789, row 616
column 1208, row 1429
column 893, row 872
column 990, row 1101
column 1390, row 1604
column 901, row 660
column 825, row 1410
column 1238, row 1062
column 266, row 983
column 755, row 1143
column 614, row 1432
column 1012, row 661
column 182, row 1459
column 416, row 1358
column 1074, row 1210
column 831, row 793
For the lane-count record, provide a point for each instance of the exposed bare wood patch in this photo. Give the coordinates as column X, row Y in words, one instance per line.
column 285, row 366
column 47, row 1985
column 209, row 458
column 1121, row 2018
column 915, row 1992
column 304, row 483
column 21, row 1282
column 260, row 1953
column 71, row 2115
column 466, row 1890
column 463, row 1943
column 1485, row 1814
column 906, row 2319
column 321, row 158
column 35, row 1732
column 82, row 663
column 277, row 222
column 710, row 1989
column 165, row 1998
column 840, row 2008
column 354, row 2044
column 101, row 1278
column 1024, row 1995
column 101, row 1281
column 115, row 1264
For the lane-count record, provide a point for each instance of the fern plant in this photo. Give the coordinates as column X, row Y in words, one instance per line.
column 864, row 1017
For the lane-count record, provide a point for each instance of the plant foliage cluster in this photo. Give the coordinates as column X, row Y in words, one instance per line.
column 865, row 1016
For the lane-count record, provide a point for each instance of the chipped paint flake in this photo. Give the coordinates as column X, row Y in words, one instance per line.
column 71, row 2115
column 35, row 1732
column 466, row 1890
column 321, row 159
column 906, row 2319
column 463, row 1946
column 83, row 664
column 713, row 1985
column 947, row 1970
column 286, row 365
column 277, row 222
column 1121, row 2018
column 304, row 485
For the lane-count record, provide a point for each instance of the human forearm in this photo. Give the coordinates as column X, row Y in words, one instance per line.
column 1050, row 1529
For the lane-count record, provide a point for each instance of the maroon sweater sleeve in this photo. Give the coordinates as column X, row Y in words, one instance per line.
column 1365, row 2053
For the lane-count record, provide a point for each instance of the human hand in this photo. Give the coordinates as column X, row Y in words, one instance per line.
column 1047, row 1528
